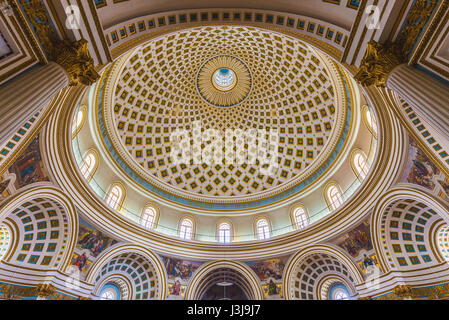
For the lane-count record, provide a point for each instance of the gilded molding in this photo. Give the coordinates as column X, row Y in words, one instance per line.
column 381, row 58
column 45, row 290
column 379, row 61
column 73, row 57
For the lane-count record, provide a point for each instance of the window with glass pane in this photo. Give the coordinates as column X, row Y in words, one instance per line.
column 77, row 121
column 301, row 218
column 371, row 120
column 335, row 197
column 114, row 197
column 263, row 229
column 148, row 217
column 224, row 233
column 186, row 229
column 88, row 165
column 360, row 165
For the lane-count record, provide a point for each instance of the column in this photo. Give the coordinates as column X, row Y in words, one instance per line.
column 385, row 65
column 22, row 97
column 428, row 96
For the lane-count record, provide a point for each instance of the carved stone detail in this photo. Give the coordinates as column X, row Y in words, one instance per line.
column 403, row 291
column 45, row 290
column 73, row 57
column 379, row 61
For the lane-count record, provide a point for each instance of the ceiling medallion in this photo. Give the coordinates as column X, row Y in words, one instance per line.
column 224, row 81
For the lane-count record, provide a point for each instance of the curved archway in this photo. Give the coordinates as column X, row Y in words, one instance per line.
column 402, row 216
column 335, row 263
column 243, row 276
column 45, row 202
column 131, row 254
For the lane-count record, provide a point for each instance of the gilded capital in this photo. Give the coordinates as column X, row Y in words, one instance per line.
column 379, row 61
column 403, row 291
column 364, row 298
column 75, row 59
column 45, row 290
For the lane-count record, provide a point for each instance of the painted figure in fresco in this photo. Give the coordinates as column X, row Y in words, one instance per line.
column 179, row 269
column 422, row 170
column 356, row 240
column 176, row 288
column 368, row 262
column 269, row 269
column 80, row 262
column 28, row 166
column 272, row 289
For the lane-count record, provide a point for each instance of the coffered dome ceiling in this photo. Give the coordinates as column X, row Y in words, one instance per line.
column 224, row 77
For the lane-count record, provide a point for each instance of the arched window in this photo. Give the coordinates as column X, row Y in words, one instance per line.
column 263, row 229
column 224, row 232
column 359, row 164
column 78, row 121
column 108, row 295
column 370, row 120
column 339, row 292
column 148, row 218
column 186, row 229
column 333, row 196
column 300, row 217
column 89, row 165
column 110, row 292
column 115, row 196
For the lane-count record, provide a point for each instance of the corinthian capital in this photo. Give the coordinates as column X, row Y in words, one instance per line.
column 75, row 59
column 403, row 291
column 45, row 290
column 379, row 61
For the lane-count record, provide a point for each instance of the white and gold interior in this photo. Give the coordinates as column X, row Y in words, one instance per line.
column 93, row 207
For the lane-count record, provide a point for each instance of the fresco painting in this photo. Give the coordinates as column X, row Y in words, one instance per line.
column 356, row 241
column 271, row 269
column 178, row 269
column 29, row 167
column 420, row 169
column 91, row 243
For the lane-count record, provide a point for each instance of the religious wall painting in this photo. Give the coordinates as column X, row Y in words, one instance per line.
column 176, row 289
column 272, row 290
column 92, row 240
column 29, row 167
column 357, row 241
column 270, row 269
column 91, row 243
column 179, row 273
column 420, row 169
column 180, row 269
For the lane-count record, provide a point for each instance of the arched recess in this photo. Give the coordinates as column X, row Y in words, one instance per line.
column 325, row 263
column 403, row 227
column 46, row 223
column 199, row 282
column 137, row 264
